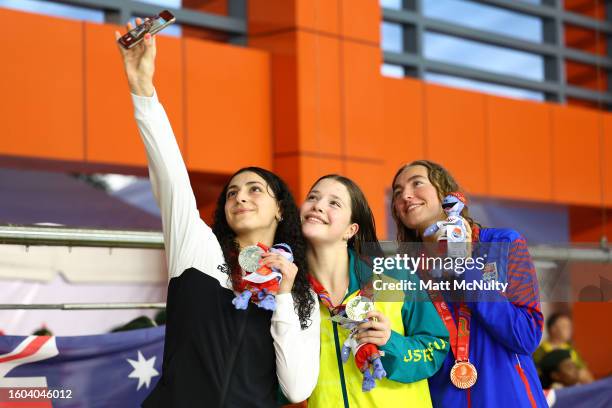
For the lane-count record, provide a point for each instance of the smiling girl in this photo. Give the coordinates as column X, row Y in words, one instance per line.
column 214, row 354
column 495, row 333
column 339, row 227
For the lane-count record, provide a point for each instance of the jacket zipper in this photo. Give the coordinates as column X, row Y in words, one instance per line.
column 519, row 368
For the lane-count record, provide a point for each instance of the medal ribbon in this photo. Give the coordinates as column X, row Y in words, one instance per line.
column 326, row 297
column 459, row 333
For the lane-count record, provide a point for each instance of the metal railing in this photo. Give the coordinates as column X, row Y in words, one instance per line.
column 82, row 306
column 552, row 49
column 80, row 237
column 25, row 235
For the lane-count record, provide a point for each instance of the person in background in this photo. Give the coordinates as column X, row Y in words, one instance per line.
column 559, row 328
column 558, row 370
column 43, row 331
column 141, row 322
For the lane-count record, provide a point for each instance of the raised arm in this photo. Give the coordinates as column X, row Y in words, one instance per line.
column 188, row 240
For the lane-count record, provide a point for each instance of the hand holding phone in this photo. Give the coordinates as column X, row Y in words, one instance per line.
column 150, row 25
column 139, row 62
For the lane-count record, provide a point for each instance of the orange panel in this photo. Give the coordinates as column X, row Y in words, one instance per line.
column 589, row 224
column 283, row 68
column 362, row 92
column 576, row 156
column 318, row 15
column 455, row 131
column 267, row 16
column 270, row 16
column 301, row 171
column 595, row 9
column 112, row 136
column 319, row 94
column 228, row 107
column 41, row 77
column 591, row 336
column 519, row 152
column 360, row 19
column 586, row 76
column 607, row 158
column 367, row 176
column 402, row 123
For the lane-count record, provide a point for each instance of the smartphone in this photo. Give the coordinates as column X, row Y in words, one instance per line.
column 151, row 25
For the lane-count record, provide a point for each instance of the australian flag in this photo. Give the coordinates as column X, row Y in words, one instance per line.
column 109, row 370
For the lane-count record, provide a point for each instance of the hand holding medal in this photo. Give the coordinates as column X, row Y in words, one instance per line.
column 264, row 269
column 355, row 317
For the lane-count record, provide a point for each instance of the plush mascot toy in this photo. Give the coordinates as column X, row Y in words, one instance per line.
column 259, row 283
column 367, row 355
column 452, row 229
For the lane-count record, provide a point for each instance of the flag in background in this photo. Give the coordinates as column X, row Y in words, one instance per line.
column 109, row 370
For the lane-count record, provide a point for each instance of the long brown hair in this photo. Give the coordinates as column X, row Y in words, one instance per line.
column 364, row 242
column 444, row 184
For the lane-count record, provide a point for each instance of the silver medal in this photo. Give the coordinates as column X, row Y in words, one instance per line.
column 358, row 308
column 249, row 258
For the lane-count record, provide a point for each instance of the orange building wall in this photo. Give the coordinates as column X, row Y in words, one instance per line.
column 305, row 100
column 306, row 92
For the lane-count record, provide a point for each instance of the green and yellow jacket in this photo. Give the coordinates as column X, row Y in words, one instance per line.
column 415, row 351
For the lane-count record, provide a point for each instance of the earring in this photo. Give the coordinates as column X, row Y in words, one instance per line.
column 280, row 219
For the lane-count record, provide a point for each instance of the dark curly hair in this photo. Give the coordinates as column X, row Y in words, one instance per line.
column 288, row 231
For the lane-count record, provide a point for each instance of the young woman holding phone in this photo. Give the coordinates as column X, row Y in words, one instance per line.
column 216, row 355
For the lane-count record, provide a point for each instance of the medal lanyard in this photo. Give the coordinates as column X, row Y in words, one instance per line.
column 367, row 291
column 459, row 334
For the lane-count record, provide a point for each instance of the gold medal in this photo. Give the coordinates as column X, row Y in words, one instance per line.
column 463, row 374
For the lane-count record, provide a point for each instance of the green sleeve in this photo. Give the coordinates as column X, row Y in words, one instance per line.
column 421, row 352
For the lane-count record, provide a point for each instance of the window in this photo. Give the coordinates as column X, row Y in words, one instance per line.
column 485, row 57
column 486, row 18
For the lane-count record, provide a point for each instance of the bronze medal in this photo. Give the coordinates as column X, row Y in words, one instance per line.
column 463, row 374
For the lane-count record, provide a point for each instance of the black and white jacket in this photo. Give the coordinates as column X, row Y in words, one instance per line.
column 215, row 355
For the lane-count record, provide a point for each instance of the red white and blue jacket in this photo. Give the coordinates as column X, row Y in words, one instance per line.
column 505, row 329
